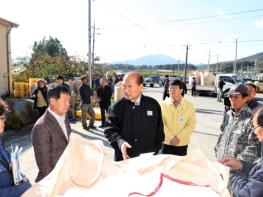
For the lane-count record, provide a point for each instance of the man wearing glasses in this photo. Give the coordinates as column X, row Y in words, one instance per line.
column 236, row 138
column 134, row 125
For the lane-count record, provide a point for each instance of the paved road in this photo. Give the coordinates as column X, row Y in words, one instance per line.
column 209, row 117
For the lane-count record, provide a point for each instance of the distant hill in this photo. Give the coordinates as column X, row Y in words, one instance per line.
column 252, row 58
column 242, row 63
column 151, row 60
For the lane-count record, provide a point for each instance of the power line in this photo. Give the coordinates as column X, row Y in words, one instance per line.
column 127, row 18
column 222, row 19
column 132, row 12
column 204, row 17
column 188, row 19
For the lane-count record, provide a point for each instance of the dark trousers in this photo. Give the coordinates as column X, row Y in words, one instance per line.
column 103, row 111
column 174, row 150
column 165, row 94
column 41, row 110
column 193, row 91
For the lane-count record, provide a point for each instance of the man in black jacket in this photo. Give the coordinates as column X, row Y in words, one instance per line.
column 135, row 122
column 104, row 95
column 86, row 96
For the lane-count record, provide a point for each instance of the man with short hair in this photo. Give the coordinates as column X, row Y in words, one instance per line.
column 252, row 103
column 61, row 81
column 134, row 125
column 236, row 138
column 104, row 95
column 86, row 105
column 51, row 132
column 179, row 120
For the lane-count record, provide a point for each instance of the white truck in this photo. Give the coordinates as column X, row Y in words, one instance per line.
column 229, row 79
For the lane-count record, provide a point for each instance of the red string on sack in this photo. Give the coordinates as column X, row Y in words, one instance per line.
column 157, row 188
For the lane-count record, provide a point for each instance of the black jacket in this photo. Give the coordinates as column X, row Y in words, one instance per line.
column 43, row 92
column 141, row 126
column 221, row 84
column 166, row 84
column 105, row 96
column 85, row 93
column 254, row 105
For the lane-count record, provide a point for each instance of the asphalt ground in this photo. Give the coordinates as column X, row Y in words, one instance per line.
column 209, row 114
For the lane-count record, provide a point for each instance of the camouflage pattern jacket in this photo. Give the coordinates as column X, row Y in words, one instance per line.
column 237, row 138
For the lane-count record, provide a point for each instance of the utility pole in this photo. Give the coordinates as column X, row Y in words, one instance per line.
column 93, row 46
column 208, row 63
column 185, row 66
column 90, row 55
column 217, row 63
column 255, row 71
column 235, row 63
column 178, row 68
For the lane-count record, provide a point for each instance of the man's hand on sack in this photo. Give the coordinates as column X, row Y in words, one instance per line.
column 232, row 163
column 124, row 147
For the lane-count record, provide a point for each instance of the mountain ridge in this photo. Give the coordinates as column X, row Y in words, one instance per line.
column 150, row 60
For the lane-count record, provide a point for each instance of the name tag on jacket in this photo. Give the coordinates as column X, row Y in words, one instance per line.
column 149, row 113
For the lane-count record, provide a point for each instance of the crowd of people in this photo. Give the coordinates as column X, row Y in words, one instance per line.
column 138, row 124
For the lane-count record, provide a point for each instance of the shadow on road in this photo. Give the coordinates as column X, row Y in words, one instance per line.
column 209, row 111
column 21, row 137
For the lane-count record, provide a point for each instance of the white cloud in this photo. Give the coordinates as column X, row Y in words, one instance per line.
column 259, row 23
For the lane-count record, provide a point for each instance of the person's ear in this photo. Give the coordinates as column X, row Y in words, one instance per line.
column 181, row 90
column 52, row 101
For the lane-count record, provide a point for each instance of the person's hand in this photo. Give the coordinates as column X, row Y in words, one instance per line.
column 124, row 147
column 174, row 141
column 232, row 162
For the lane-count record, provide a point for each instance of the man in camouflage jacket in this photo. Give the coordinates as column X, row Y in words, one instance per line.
column 237, row 138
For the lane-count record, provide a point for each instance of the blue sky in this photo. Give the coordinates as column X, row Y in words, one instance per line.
column 129, row 29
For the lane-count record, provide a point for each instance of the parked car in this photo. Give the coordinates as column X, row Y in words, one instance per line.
column 152, row 80
column 174, row 77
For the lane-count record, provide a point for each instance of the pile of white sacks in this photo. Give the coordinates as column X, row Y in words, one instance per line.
column 84, row 171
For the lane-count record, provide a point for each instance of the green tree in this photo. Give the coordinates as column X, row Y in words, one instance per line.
column 52, row 47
